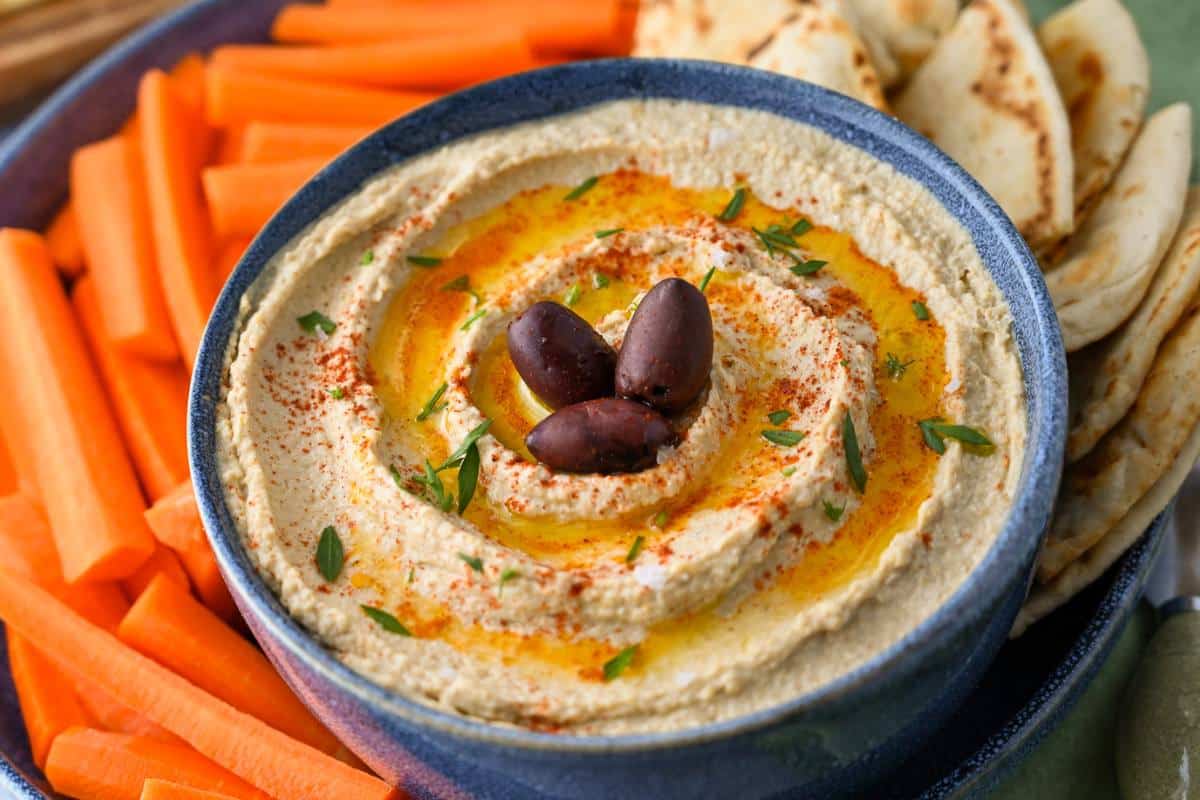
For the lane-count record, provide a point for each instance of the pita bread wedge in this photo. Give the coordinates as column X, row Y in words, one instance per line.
column 1109, row 262
column 1124, row 534
column 815, row 40
column 1100, row 489
column 1103, row 72
column 818, row 44
column 987, row 97
column 909, row 29
column 1111, row 373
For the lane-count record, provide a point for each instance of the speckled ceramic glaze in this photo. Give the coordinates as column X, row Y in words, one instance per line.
column 837, row 740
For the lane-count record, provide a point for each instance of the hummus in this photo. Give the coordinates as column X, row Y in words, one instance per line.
column 748, row 566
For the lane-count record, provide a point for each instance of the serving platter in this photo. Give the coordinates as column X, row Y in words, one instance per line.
column 1033, row 681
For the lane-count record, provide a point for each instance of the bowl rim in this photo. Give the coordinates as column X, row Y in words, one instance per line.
column 553, row 91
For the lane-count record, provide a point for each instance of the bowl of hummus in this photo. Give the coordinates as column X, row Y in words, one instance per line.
column 633, row 425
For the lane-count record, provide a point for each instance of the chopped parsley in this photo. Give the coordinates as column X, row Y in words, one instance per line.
column 854, row 464
column 474, row 562
column 468, row 477
column 936, row 430
column 315, row 320
column 573, row 295
column 424, row 261
column 832, row 511
column 777, row 238
column 919, row 310
column 330, row 554
column 734, row 207
column 463, row 284
column 807, row 267
column 432, row 405
column 471, row 320
column 507, row 575
column 396, row 477
column 779, row 417
column 708, row 276
column 635, row 549
column 458, row 456
column 607, row 232
column 385, row 620
column 600, row 280
column 437, row 490
column 783, row 438
column 582, row 189
column 337, row 393
column 896, row 367
column 619, row 663
column 660, row 519
column 367, row 257
column 788, row 471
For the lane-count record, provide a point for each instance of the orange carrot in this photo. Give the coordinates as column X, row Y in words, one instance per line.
column 175, row 521
column 445, row 61
column 150, row 400
column 101, row 765
column 9, row 479
column 108, row 187
column 167, row 625
column 28, row 545
column 229, row 144
column 271, row 142
column 554, row 27
column 162, row 562
column 48, row 705
column 242, row 197
column 231, row 254
column 241, row 97
column 181, row 234
column 155, row 789
column 62, row 237
column 94, row 504
column 108, row 714
column 187, row 78
column 242, row 744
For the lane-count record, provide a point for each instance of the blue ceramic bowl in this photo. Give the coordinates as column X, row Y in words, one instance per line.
column 828, row 742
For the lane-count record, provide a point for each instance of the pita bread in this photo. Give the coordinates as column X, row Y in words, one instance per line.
column 908, row 29
column 987, row 97
column 1109, row 262
column 1099, row 490
column 1103, row 72
column 1095, row 562
column 1110, row 374
column 815, row 40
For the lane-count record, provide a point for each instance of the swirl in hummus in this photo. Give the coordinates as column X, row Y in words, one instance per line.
column 747, row 566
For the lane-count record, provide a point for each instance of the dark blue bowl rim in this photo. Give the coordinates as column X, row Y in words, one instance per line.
column 1016, row 544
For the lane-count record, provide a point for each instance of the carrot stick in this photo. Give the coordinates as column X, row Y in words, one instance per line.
column 150, row 400
column 29, row 550
column 181, row 234
column 167, row 625
column 231, row 254
column 155, row 789
column 162, row 561
column 175, row 521
column 9, row 479
column 555, row 27
column 187, row 79
column 444, row 61
column 272, row 142
column 246, row 746
column 94, row 504
column 108, row 187
column 229, row 145
column 48, row 705
column 100, row 765
column 62, row 237
column 108, row 714
column 242, row 197
column 241, row 97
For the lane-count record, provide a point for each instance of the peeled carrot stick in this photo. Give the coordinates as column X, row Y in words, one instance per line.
column 62, row 237
column 229, row 144
column 241, row 97
column 108, row 714
column 181, row 234
column 175, row 521
column 108, row 187
column 272, row 142
column 150, row 400
column 93, row 500
column 231, row 254
column 48, row 705
column 155, row 789
column 169, row 626
column 242, row 197
column 254, row 751
column 187, row 78
column 9, row 479
column 28, row 546
column 445, row 61
column 101, row 765
column 162, row 561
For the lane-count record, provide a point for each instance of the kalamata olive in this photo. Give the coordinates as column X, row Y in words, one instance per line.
column 668, row 349
column 560, row 356
column 606, row 435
